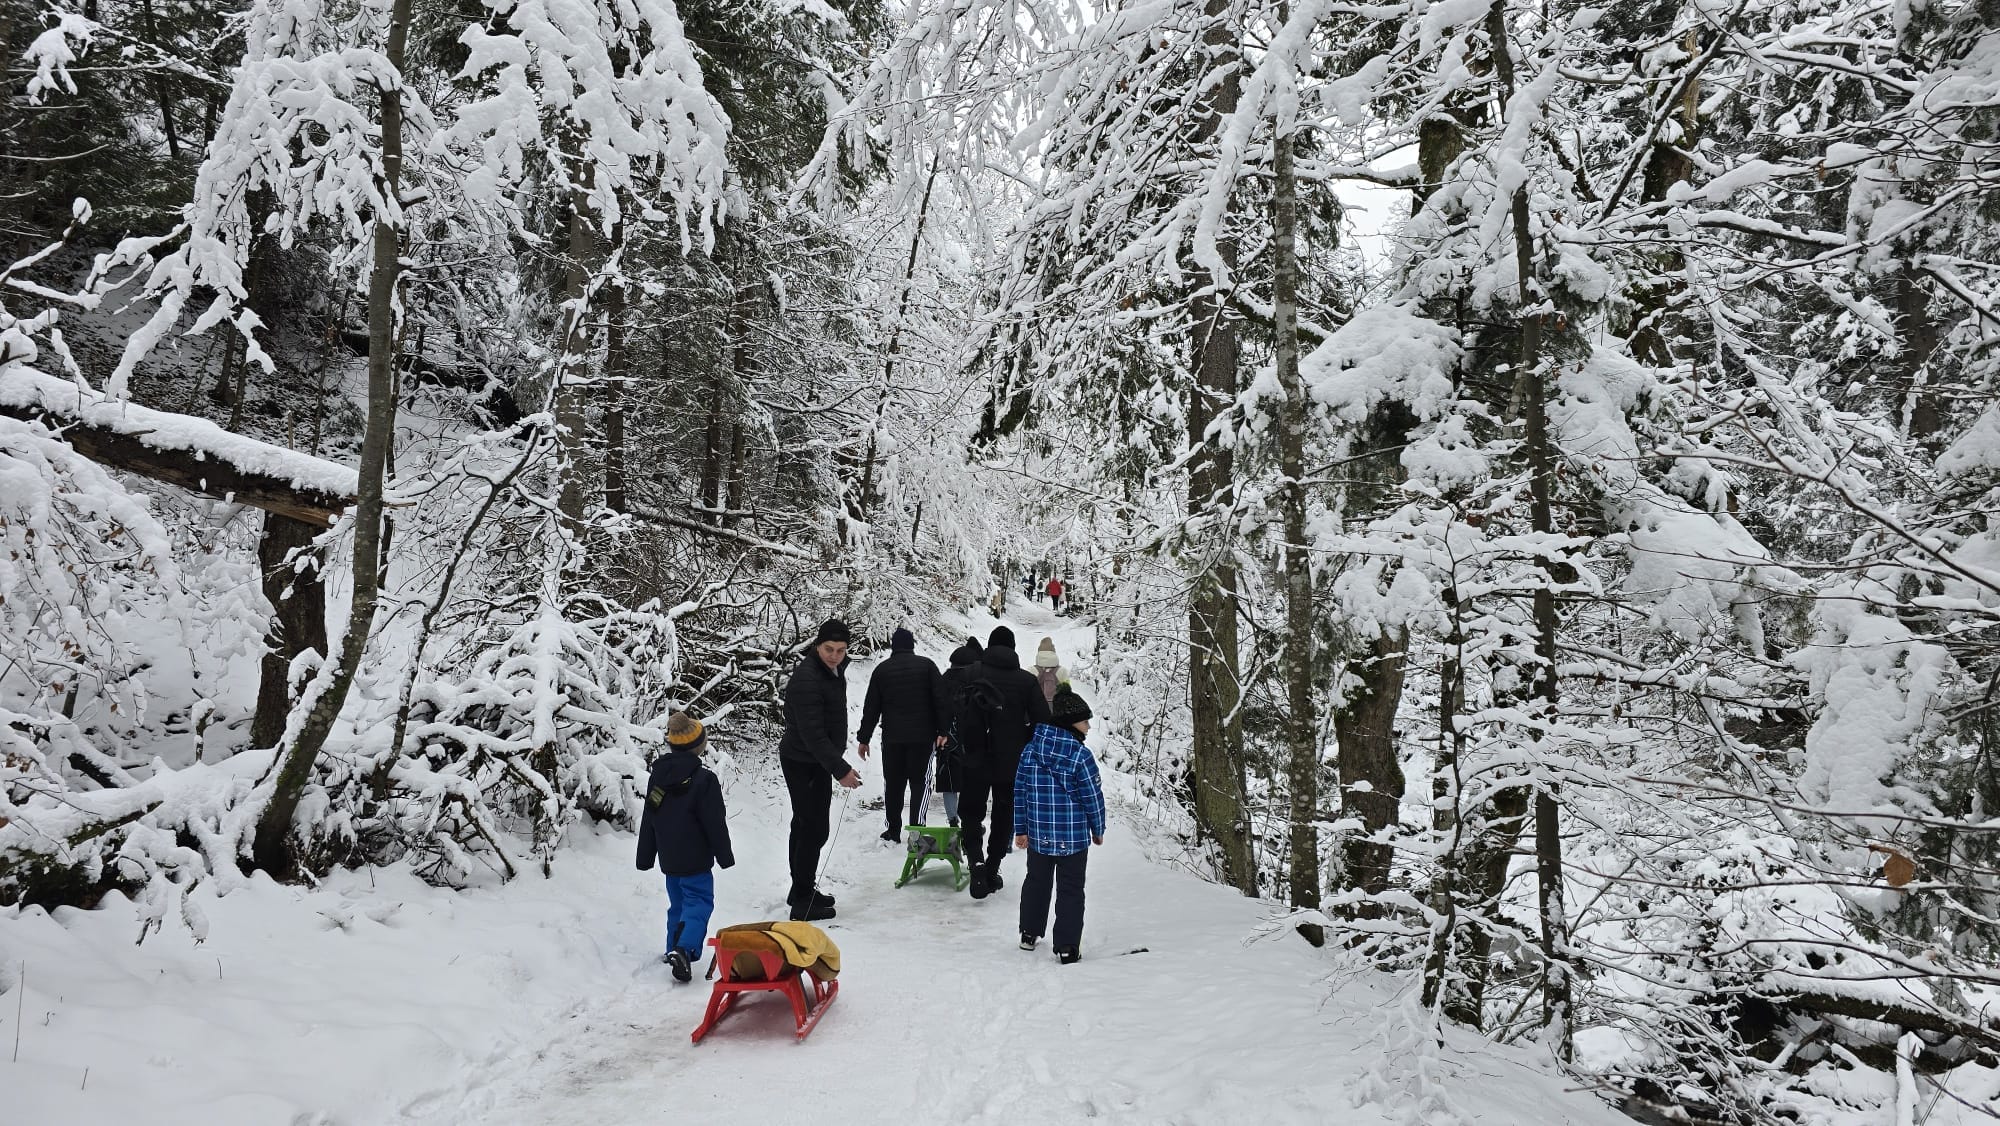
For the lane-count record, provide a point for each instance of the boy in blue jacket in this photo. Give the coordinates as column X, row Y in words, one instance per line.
column 684, row 827
column 1058, row 815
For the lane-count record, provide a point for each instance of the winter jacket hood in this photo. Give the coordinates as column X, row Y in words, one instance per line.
column 1058, row 795
column 683, row 824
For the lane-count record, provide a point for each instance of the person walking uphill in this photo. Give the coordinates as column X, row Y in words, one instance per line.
column 999, row 706
column 809, row 754
column 686, row 829
column 905, row 692
column 951, row 750
column 1058, row 815
column 1048, row 669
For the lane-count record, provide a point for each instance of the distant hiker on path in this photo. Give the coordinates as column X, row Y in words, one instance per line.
column 685, row 827
column 906, row 692
column 1055, row 589
column 1058, row 815
column 951, row 750
column 998, row 708
column 809, row 753
column 1048, row 669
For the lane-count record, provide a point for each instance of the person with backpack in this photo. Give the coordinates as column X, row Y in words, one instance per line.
column 684, row 827
column 1055, row 589
column 1058, row 815
column 999, row 707
column 1048, row 669
column 951, row 752
column 809, row 754
column 906, row 693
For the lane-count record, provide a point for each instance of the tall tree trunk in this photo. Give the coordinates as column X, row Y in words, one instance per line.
column 298, row 620
column 1214, row 688
column 1371, row 771
column 1919, row 341
column 572, row 381
column 1301, row 719
column 271, row 849
column 737, row 468
column 1531, row 378
column 1445, row 797
column 617, row 372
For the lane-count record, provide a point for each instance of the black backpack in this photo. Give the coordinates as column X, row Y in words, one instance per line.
column 980, row 707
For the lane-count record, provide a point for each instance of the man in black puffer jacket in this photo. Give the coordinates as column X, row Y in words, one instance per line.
column 906, row 694
column 809, row 754
column 992, row 755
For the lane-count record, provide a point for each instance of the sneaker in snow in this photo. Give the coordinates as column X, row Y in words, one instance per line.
column 1028, row 940
column 1067, row 954
column 819, row 897
column 683, row 972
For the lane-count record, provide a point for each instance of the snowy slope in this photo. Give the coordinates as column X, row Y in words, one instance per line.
column 378, row 999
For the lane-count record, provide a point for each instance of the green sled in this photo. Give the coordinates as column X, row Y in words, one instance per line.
column 934, row 842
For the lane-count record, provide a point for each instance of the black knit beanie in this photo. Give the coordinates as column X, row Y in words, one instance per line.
column 833, row 629
column 902, row 639
column 1000, row 638
column 1068, row 708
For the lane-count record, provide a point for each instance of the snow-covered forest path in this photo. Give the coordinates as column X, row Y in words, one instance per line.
column 942, row 1019
column 377, row 999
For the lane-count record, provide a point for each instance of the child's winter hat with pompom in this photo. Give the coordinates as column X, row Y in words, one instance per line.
column 685, row 733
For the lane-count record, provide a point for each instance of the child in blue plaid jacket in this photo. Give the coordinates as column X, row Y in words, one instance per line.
column 1058, row 815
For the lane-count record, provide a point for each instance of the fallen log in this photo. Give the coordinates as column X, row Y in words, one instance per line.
column 182, row 450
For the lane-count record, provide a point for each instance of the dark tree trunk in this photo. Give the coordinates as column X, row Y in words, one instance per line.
column 1371, row 771
column 298, row 619
column 1301, row 717
column 1216, row 762
column 272, row 849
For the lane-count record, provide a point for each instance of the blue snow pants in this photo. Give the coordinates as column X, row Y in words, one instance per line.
column 690, row 901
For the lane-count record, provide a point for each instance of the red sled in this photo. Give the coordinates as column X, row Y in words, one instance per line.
column 810, row 997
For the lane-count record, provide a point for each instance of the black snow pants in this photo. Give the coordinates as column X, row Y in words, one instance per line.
column 987, row 779
column 1062, row 875
column 811, row 789
column 903, row 768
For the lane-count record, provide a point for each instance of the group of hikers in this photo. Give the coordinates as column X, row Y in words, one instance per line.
column 1007, row 740
column 1055, row 588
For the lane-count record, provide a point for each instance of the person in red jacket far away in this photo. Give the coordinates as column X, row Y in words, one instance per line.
column 1055, row 589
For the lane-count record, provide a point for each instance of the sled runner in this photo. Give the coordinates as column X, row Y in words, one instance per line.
column 934, row 842
column 795, row 959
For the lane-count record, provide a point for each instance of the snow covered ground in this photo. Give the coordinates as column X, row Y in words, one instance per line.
column 376, row 998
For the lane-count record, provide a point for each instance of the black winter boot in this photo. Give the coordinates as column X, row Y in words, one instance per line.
column 980, row 887
column 1067, row 954
column 683, row 972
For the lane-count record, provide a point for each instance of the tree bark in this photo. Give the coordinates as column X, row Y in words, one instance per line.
column 272, row 849
column 298, row 620
column 1532, row 379
column 1371, row 772
column 617, row 373
column 1214, row 689
column 1301, row 718
column 571, row 380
